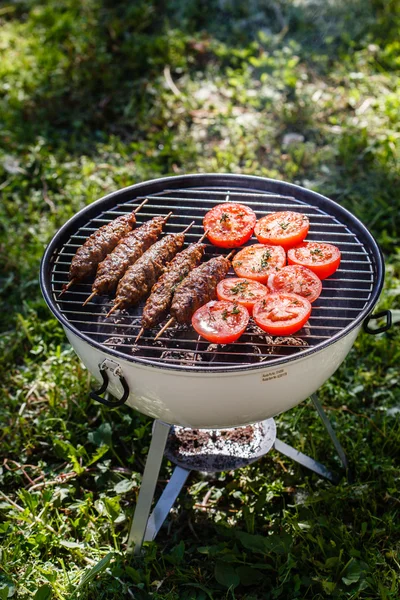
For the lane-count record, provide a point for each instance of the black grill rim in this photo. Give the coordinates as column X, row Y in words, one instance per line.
column 202, row 180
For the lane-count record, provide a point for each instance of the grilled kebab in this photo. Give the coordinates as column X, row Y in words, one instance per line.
column 159, row 301
column 141, row 276
column 198, row 288
column 98, row 245
column 128, row 250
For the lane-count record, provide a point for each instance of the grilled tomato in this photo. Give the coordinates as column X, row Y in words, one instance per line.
column 322, row 259
column 286, row 229
column 281, row 313
column 220, row 322
column 241, row 290
column 259, row 261
column 296, row 280
column 229, row 225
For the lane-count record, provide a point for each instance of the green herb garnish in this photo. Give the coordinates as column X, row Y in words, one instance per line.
column 240, row 287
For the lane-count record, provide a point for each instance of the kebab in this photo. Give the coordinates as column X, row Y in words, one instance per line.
column 198, row 288
column 98, row 245
column 158, row 303
column 126, row 253
column 141, row 276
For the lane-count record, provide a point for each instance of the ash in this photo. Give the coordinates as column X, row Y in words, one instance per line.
column 241, row 442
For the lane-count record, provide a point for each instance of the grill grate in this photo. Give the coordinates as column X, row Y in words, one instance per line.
column 343, row 297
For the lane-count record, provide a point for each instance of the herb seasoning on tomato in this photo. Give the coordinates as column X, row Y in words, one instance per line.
column 286, row 229
column 296, row 279
column 229, row 225
column 220, row 322
column 259, row 261
column 323, row 259
column 243, row 291
column 281, row 313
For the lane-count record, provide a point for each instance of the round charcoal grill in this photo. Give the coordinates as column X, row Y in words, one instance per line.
column 181, row 378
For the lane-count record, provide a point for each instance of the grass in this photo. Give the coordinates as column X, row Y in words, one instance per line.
column 95, row 96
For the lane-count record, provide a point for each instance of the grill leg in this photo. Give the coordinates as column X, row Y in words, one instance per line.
column 307, row 461
column 332, row 434
column 147, row 489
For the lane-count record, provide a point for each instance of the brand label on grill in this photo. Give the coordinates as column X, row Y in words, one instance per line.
column 274, row 375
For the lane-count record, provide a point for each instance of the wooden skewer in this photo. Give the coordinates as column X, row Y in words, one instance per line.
column 170, row 322
column 66, row 287
column 188, row 227
column 139, row 335
column 145, row 201
column 114, row 308
column 88, row 299
column 202, row 237
column 230, row 255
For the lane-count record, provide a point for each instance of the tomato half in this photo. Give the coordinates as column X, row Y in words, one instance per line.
column 229, row 225
column 241, row 290
column 258, row 261
column 322, row 259
column 286, row 229
column 296, row 280
column 220, row 322
column 281, row 313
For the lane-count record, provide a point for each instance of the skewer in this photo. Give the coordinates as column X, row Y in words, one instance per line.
column 140, row 205
column 188, row 227
column 88, row 299
column 66, row 287
column 170, row 322
column 202, row 237
column 139, row 335
column 113, row 309
column 93, row 294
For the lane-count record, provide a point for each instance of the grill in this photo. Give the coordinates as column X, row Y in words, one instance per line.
column 228, row 393
column 347, row 296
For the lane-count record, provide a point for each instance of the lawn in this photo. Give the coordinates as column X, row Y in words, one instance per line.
column 97, row 95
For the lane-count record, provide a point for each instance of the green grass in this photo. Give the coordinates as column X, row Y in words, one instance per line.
column 87, row 107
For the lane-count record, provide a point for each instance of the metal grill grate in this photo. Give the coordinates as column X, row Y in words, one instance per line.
column 344, row 295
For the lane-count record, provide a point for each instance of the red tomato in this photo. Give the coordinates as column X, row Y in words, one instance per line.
column 229, row 225
column 286, row 229
column 281, row 313
column 220, row 322
column 322, row 259
column 296, row 280
column 258, row 261
column 243, row 291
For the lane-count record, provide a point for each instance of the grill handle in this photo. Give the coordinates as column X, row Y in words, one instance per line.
column 95, row 394
column 378, row 315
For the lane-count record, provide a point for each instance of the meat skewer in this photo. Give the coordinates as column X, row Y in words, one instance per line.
column 126, row 253
column 196, row 289
column 98, row 245
column 141, row 276
column 158, row 303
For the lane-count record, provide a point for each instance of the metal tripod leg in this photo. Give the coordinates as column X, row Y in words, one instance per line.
column 309, row 462
column 166, row 502
column 147, row 489
column 330, row 431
